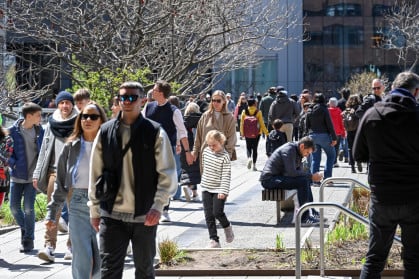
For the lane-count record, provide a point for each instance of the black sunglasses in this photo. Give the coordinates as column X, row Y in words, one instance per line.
column 92, row 117
column 216, row 100
column 129, row 98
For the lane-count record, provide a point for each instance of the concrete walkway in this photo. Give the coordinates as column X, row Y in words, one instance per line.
column 254, row 224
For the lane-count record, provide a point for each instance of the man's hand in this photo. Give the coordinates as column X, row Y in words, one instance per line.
column 152, row 218
column 316, row 177
column 95, row 223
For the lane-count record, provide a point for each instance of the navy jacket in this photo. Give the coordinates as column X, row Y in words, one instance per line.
column 17, row 161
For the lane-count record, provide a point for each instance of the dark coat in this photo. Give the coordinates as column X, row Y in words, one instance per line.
column 190, row 174
column 387, row 138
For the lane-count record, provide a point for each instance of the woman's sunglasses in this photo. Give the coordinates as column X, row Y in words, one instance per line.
column 92, row 117
column 216, row 100
column 129, row 98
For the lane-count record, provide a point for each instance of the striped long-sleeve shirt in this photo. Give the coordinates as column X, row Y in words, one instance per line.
column 216, row 172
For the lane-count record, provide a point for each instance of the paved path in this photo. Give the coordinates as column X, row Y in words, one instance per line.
column 254, row 224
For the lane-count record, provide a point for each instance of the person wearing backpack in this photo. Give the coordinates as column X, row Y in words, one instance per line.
column 251, row 126
column 351, row 121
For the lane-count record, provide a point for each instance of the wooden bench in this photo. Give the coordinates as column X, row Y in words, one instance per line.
column 280, row 196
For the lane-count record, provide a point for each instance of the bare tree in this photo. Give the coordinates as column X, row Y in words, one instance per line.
column 178, row 40
column 403, row 32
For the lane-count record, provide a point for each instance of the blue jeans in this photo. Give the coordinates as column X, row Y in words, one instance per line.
column 114, row 238
column 64, row 213
column 299, row 183
column 323, row 141
column 24, row 218
column 176, row 196
column 344, row 147
column 383, row 223
column 86, row 259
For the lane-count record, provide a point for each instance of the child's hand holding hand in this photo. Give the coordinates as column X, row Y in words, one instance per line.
column 222, row 196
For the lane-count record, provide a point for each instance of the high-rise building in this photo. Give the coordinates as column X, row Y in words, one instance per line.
column 345, row 37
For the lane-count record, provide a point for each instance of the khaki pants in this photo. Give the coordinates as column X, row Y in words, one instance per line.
column 51, row 235
column 288, row 128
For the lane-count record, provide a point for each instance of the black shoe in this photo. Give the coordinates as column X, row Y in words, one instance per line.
column 359, row 166
column 27, row 246
column 340, row 155
column 309, row 221
column 353, row 169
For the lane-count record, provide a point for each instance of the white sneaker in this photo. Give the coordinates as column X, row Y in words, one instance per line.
column 68, row 254
column 214, row 244
column 62, row 226
column 249, row 163
column 47, row 254
column 165, row 218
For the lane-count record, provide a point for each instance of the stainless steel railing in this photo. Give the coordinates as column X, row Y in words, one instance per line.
column 321, row 204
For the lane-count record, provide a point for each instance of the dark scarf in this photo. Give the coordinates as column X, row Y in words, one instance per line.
column 62, row 129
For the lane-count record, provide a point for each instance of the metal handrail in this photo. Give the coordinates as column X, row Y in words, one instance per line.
column 298, row 228
column 321, row 204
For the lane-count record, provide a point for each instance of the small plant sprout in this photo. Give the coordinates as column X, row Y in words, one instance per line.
column 279, row 243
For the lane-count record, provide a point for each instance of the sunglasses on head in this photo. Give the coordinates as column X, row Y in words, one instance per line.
column 129, row 98
column 93, row 117
column 216, row 100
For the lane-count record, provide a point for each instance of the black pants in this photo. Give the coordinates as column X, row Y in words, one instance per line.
column 351, row 138
column 114, row 238
column 252, row 148
column 214, row 209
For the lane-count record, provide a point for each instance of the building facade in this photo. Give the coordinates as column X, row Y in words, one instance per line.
column 341, row 37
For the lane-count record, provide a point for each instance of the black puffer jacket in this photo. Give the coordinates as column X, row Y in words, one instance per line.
column 388, row 137
column 318, row 120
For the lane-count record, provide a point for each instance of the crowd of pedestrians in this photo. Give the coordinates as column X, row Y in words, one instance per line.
column 96, row 168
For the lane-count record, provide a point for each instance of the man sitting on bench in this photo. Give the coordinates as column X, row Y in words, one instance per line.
column 284, row 170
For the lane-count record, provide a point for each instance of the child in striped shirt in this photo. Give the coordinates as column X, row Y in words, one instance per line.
column 215, row 185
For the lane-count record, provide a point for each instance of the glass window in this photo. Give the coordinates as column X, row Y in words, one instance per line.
column 343, row 35
column 343, row 10
column 380, row 10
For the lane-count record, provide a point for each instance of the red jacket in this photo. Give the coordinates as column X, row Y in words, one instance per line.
column 336, row 115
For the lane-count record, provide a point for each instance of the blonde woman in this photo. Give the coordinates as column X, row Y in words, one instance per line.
column 218, row 118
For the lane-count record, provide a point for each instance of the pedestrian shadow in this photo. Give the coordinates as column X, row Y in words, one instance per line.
column 4, row 265
column 184, row 224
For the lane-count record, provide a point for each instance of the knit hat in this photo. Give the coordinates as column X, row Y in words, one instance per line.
column 64, row 95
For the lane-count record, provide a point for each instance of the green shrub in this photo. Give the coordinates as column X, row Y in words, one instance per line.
column 40, row 210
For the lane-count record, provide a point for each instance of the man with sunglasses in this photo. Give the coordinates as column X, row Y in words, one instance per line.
column 171, row 119
column 369, row 100
column 137, row 153
column 59, row 127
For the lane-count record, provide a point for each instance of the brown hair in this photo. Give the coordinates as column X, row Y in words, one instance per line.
column 78, row 131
